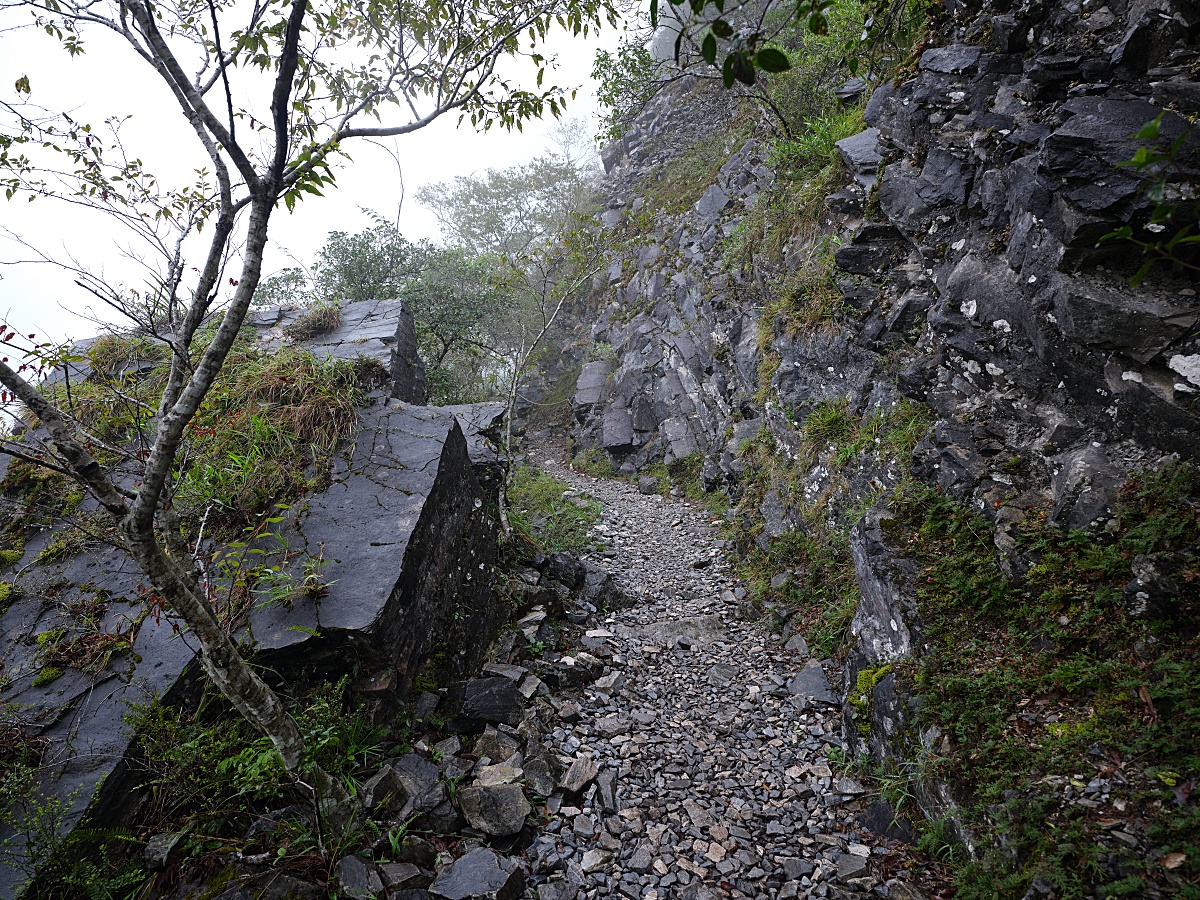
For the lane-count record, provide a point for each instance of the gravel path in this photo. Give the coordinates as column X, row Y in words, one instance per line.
column 711, row 738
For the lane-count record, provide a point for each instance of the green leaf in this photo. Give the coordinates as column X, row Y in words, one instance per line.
column 1150, row 130
column 722, row 29
column 727, row 71
column 708, row 49
column 817, row 23
column 743, row 68
column 22, row 84
column 772, row 60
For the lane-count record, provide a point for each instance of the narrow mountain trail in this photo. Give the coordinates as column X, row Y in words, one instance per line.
column 712, row 740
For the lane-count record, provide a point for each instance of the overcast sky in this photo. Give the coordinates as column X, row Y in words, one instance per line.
column 108, row 80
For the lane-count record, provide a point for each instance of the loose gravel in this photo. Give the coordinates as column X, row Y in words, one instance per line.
column 715, row 777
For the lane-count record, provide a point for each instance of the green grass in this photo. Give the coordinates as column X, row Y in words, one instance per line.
column 681, row 182
column 205, row 771
column 595, row 462
column 266, row 433
column 541, row 516
column 1023, row 698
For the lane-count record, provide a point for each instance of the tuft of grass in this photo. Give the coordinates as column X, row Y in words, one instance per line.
column 317, row 320
column 541, row 516
column 682, row 181
column 595, row 462
column 110, row 354
column 267, row 433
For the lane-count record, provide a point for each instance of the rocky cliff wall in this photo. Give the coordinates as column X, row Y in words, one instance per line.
column 977, row 298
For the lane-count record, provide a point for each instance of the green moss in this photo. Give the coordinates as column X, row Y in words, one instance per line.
column 860, row 698
column 1030, row 680
column 10, row 557
column 9, row 592
column 63, row 546
column 541, row 515
column 47, row 675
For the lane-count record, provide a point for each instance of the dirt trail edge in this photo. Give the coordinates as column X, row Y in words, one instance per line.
column 711, row 740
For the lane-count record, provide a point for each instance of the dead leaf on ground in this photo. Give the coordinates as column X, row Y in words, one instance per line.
column 1174, row 860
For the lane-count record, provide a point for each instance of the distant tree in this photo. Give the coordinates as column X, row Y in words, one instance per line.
column 458, row 305
column 309, row 80
column 625, row 80
column 374, row 264
column 508, row 211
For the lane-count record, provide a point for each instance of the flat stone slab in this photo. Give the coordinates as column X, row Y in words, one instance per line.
column 811, row 684
column 480, row 875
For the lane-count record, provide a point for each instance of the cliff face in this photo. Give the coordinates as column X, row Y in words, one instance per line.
column 976, row 297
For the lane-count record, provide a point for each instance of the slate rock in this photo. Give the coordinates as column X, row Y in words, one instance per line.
column 356, row 878
column 710, row 204
column 580, row 774
column 797, row 644
column 408, row 372
column 418, row 851
column 479, row 875
column 386, row 791
column 851, row 866
column 397, row 876
column 950, row 60
column 811, row 683
column 539, row 777
column 487, row 701
column 495, row 745
column 860, row 153
column 415, row 774
column 558, row 889
column 567, row 569
column 498, row 810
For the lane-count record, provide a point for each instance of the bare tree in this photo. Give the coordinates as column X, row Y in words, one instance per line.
column 541, row 284
column 327, row 74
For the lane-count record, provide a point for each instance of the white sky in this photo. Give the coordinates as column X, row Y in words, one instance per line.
column 108, row 80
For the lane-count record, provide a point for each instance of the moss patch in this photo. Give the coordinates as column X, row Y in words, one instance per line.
column 860, row 698
column 1047, row 685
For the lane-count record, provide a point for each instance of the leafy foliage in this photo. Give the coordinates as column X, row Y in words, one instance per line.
column 508, row 212
column 1169, row 235
column 625, row 81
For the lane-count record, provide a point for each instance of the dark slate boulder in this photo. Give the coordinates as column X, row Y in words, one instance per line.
column 493, row 701
column 480, row 875
column 397, row 575
column 408, row 372
column 498, row 810
column 412, row 574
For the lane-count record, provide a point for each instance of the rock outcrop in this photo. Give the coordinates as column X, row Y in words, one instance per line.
column 406, row 545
